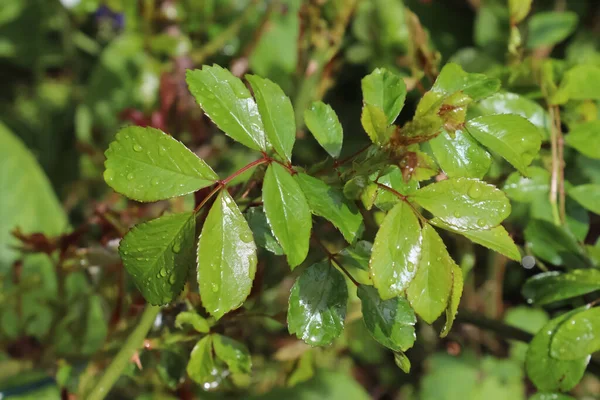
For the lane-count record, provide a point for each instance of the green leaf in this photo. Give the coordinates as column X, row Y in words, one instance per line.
column 518, row 10
column 553, row 244
column 551, row 396
column 396, row 251
column 288, row 213
column 512, row 103
column 453, row 79
column 262, row 231
column 460, row 155
column 513, row 137
column 552, row 286
column 317, row 306
column 226, row 257
column 146, row 164
column 546, row 372
column 192, row 318
column 585, row 138
column 577, row 337
column 227, row 101
column 356, row 260
column 202, row 367
column 233, row 353
column 464, row 203
column 402, row 361
column 527, row 189
column 581, row 82
column 429, row 291
column 588, row 196
column 325, row 126
column 394, row 179
column 276, row 113
column 331, row 204
column 455, row 295
column 375, row 124
column 158, row 255
column 385, row 91
column 38, row 211
column 496, row 238
column 550, row 27
column 391, row 322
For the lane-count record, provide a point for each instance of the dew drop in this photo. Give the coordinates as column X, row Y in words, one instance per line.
column 215, row 287
column 172, row 279
column 109, row 175
column 474, row 192
column 246, row 237
column 456, row 214
column 252, row 259
column 161, row 150
column 176, row 247
column 137, row 147
column 163, row 272
column 155, row 181
column 481, row 222
column 130, row 176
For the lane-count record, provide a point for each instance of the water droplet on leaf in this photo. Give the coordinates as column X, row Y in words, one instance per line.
column 215, row 287
column 481, row 222
column 176, row 247
column 137, row 147
column 163, row 272
column 130, row 176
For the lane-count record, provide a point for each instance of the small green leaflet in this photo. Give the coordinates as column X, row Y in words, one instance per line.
column 331, row 204
column 552, row 243
column 460, row 155
column 385, row 91
column 547, row 372
column 577, row 337
column 146, row 164
column 402, row 361
column 464, row 203
column 226, row 100
column 391, row 322
column 356, row 261
column 455, row 295
column 518, row 10
column 581, row 82
column 496, row 238
column 226, row 257
column 386, row 200
column 453, row 78
column 202, row 367
column 317, row 306
column 588, row 196
column 233, row 353
column 262, row 231
column 525, row 189
column 287, row 212
column 375, row 124
column 429, row 291
column 550, row 27
column 396, row 251
column 325, row 126
column 552, row 286
column 513, row 137
column 191, row 318
column 158, row 255
column 585, row 138
column 277, row 114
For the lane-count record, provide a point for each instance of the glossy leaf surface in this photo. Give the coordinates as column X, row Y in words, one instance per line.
column 391, row 322
column 201, row 366
column 549, row 28
column 396, row 251
column 374, row 122
column 193, row 319
column 385, row 91
column 429, row 291
column 394, row 179
column 553, row 243
column 331, row 204
column 461, row 155
column 513, row 137
column 158, row 255
column 317, row 306
column 356, row 260
column 227, row 101
column 546, row 372
column 276, row 113
column 552, row 286
column 454, row 301
column 453, row 79
column 233, row 353
column 577, row 337
column 325, row 126
column 287, row 212
column 262, row 231
column 146, row 164
column 464, row 203
column 226, row 257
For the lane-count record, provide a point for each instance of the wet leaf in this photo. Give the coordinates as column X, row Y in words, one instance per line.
column 325, row 126
column 460, row 155
column 585, row 138
column 202, row 367
column 288, row 213
column 146, row 164
column 226, row 257
column 374, row 122
column 396, row 251
column 464, row 203
column 233, row 353
column 192, row 318
column 227, row 101
column 550, row 27
column 276, row 113
column 552, row 286
column 513, row 137
column 356, row 260
column 158, row 255
column 496, row 238
column 581, row 82
column 262, row 231
column 546, row 372
column 386, row 91
column 394, row 179
column 453, row 79
column 402, row 361
column 391, row 322
column 577, row 337
column 527, row 189
column 331, row 204
column 553, row 244
column 455, row 295
column 429, row 291
column 317, row 306
column 588, row 196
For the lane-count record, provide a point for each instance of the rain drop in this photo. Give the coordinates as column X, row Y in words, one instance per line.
column 475, row 192
column 163, row 272
column 109, row 174
column 481, row 222
column 246, row 237
column 172, row 279
column 155, row 181
column 130, row 176
column 215, row 287
column 176, row 248
column 456, row 214
column 137, row 147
